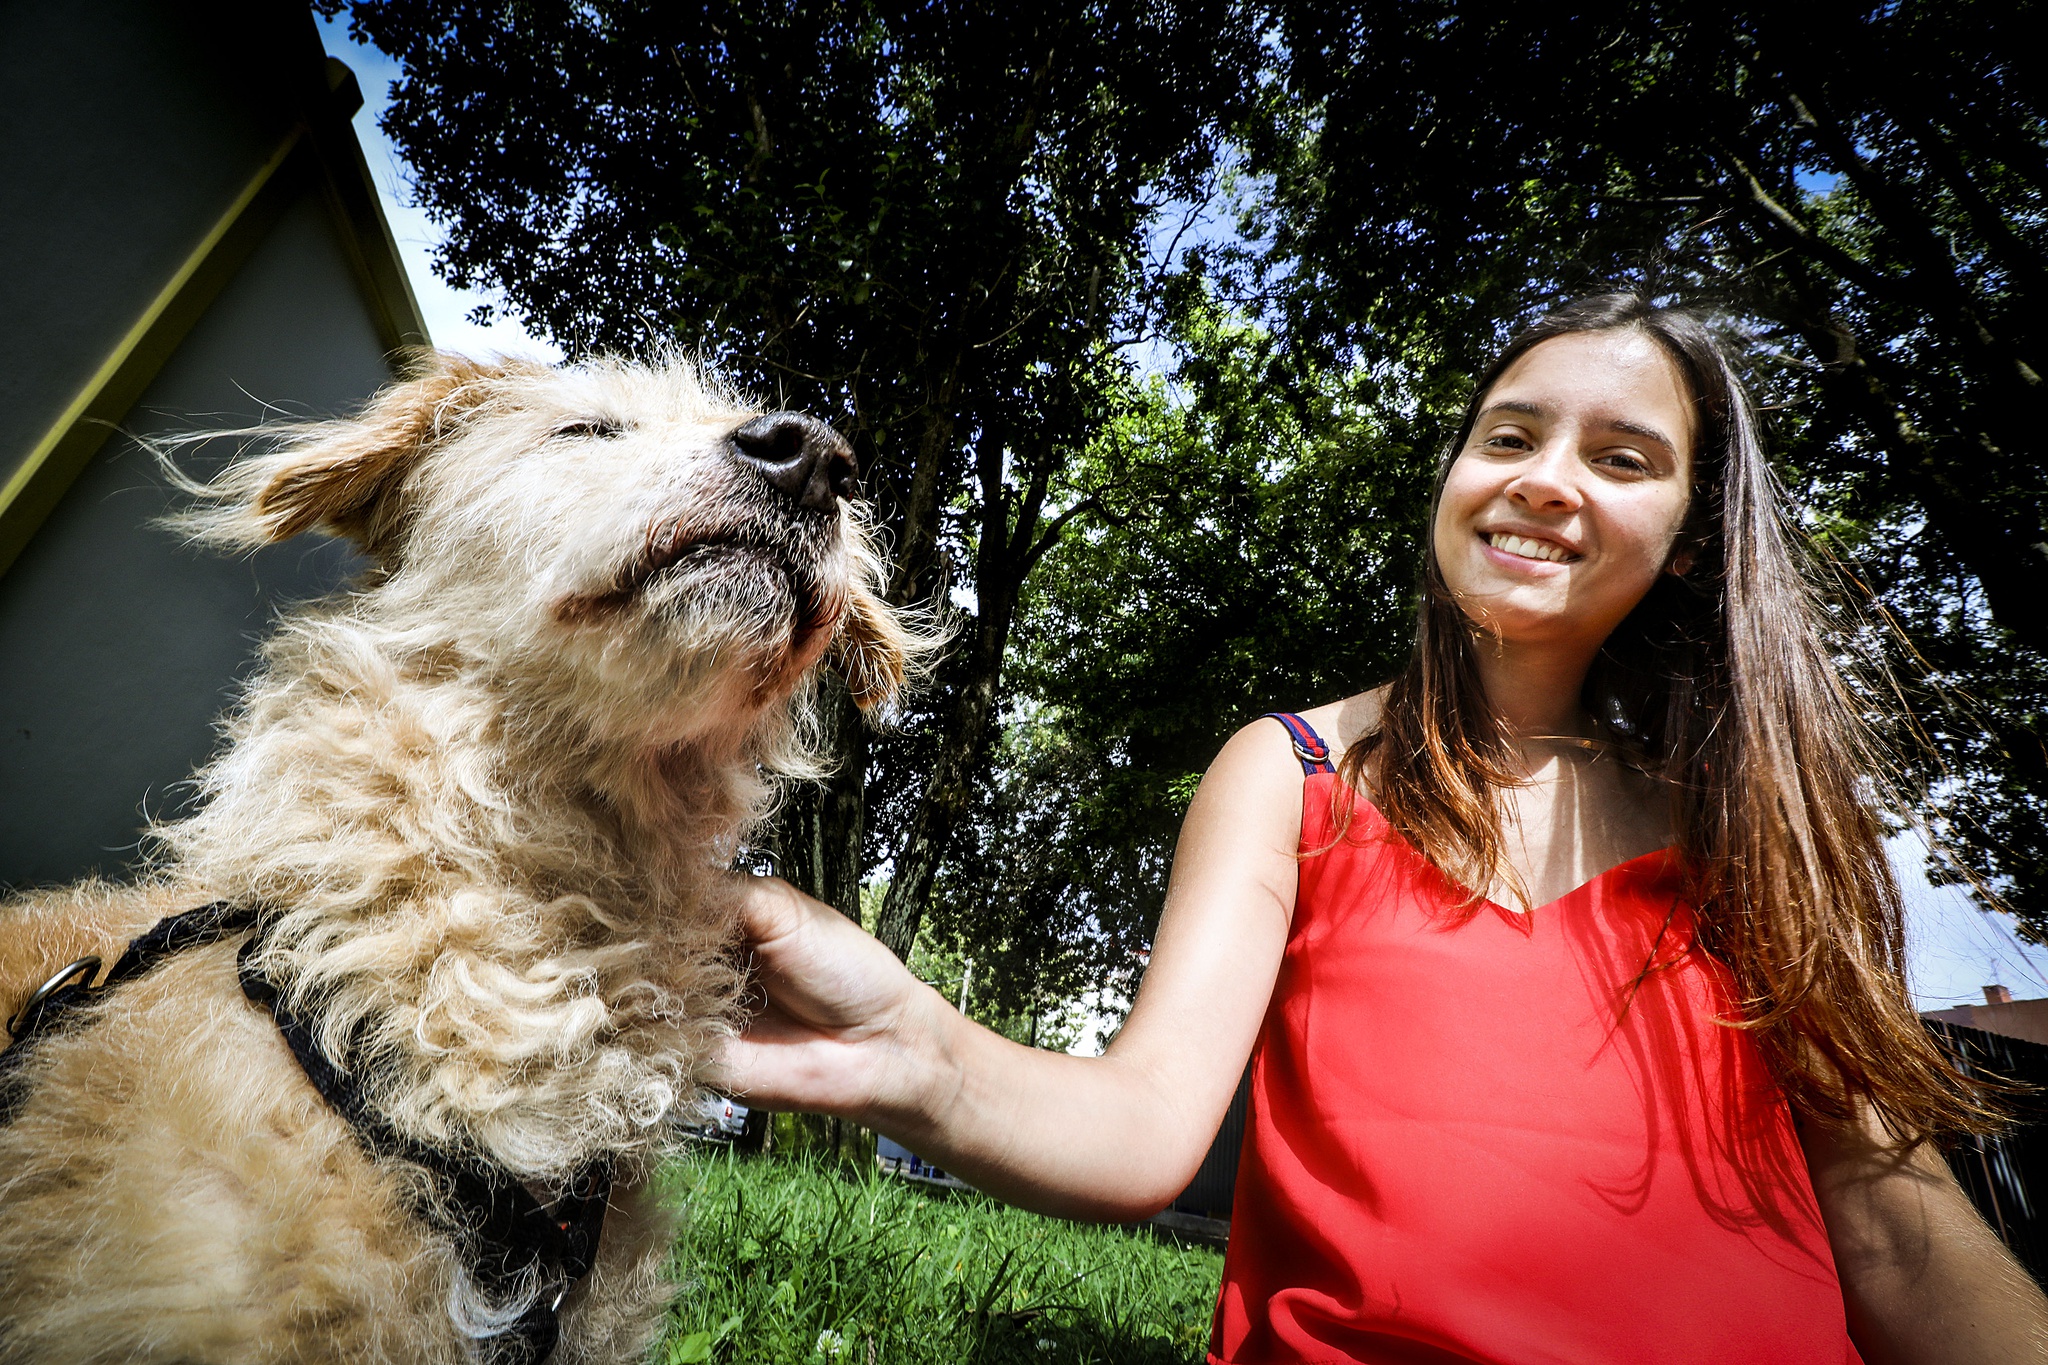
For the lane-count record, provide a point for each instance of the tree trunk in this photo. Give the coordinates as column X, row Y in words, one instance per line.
column 2006, row 563
column 1009, row 543
column 946, row 794
column 818, row 836
column 912, row 576
column 822, row 825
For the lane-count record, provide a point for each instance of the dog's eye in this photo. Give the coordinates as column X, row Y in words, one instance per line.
column 601, row 428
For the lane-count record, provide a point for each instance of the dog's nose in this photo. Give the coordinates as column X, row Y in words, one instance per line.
column 802, row 457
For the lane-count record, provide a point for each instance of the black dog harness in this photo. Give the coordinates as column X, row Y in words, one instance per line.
column 510, row 1241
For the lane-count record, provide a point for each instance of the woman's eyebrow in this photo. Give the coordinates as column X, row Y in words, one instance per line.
column 1648, row 433
column 1512, row 405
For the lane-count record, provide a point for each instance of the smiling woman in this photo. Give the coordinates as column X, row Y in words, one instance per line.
column 1680, row 629
column 1579, row 933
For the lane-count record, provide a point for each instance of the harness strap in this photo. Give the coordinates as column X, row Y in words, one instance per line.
column 73, row 988
column 510, row 1241
column 1308, row 745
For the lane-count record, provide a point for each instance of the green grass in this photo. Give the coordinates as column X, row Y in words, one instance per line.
column 785, row 1262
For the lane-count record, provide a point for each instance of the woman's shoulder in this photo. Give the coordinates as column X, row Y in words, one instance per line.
column 1342, row 723
column 1264, row 749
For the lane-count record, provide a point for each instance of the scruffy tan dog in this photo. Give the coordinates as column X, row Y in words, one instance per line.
column 483, row 805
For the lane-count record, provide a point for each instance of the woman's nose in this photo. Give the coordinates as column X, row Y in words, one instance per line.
column 1547, row 480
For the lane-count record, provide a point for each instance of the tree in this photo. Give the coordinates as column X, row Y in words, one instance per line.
column 1860, row 188
column 1256, row 549
column 925, row 222
column 931, row 225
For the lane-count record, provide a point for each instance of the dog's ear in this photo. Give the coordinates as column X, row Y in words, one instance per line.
column 342, row 477
column 872, row 650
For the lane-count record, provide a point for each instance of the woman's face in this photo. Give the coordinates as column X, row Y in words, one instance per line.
column 1566, row 500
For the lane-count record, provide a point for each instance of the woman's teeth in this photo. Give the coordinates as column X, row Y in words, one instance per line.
column 1530, row 549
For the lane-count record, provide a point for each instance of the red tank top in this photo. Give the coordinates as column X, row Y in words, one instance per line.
column 1469, row 1141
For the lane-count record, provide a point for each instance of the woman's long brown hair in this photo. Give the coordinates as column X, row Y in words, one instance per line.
column 1724, row 684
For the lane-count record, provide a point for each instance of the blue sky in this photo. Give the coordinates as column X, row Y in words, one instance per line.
column 1954, row 950
column 446, row 308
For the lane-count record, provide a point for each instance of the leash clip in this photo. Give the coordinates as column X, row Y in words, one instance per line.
column 85, row 966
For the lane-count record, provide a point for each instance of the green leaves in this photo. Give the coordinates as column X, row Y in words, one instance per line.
column 932, row 224
column 698, row 1347
column 693, row 1349
column 1254, row 550
column 921, row 222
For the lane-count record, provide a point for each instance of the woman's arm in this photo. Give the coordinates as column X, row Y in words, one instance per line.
column 847, row 1030
column 1925, row 1281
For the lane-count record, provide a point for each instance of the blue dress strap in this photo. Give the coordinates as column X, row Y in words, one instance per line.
column 1308, row 745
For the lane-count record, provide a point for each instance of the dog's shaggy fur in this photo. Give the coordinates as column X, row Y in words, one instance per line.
column 489, row 798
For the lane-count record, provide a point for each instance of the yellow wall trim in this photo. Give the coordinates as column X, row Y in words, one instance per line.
column 36, row 486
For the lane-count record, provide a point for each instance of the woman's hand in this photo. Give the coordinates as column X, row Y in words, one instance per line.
column 844, row 1028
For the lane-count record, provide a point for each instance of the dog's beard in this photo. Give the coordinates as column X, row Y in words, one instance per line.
column 869, row 651
column 739, row 590
column 737, row 582
column 775, row 604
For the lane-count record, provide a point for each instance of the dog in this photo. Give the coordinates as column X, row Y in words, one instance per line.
column 467, row 848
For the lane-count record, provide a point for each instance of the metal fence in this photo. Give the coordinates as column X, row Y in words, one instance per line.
column 2007, row 1176
column 1208, row 1195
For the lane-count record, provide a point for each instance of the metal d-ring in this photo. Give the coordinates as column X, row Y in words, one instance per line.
column 85, row 966
column 1309, row 755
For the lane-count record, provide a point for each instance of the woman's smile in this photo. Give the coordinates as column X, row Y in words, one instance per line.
column 1509, row 546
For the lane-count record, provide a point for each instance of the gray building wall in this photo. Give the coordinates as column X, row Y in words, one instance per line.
column 126, row 127
column 119, row 646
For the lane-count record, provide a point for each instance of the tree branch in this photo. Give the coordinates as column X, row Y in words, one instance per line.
column 1050, row 536
column 2000, row 560
column 1808, row 242
column 2020, row 261
column 1933, row 275
column 1017, row 550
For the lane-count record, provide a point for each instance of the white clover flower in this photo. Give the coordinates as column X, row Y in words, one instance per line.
column 830, row 1345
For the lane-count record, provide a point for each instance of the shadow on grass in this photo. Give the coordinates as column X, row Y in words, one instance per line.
column 796, row 1262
